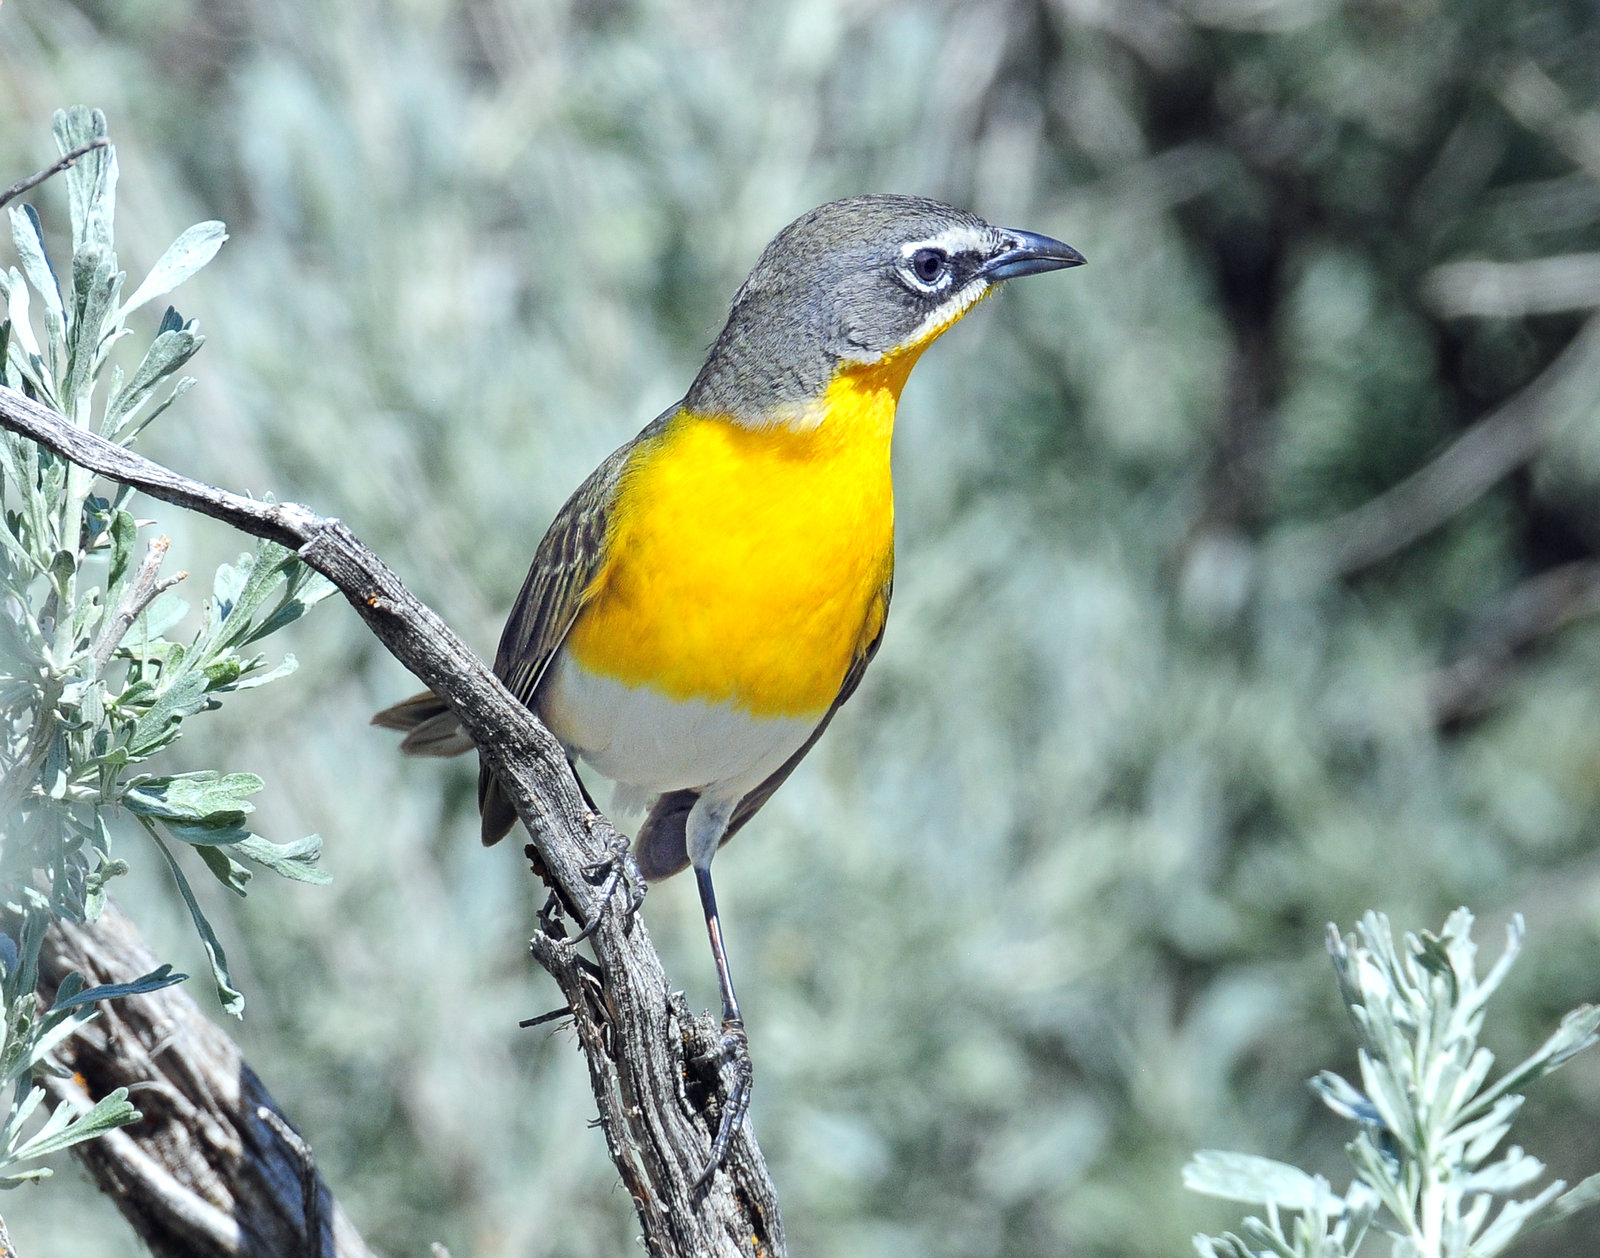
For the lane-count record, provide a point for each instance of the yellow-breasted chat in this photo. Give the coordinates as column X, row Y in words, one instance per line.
column 712, row 594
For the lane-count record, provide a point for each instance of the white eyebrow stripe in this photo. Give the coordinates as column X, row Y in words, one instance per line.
column 963, row 239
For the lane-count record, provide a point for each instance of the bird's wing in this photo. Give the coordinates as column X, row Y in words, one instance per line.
column 662, row 848
column 564, row 567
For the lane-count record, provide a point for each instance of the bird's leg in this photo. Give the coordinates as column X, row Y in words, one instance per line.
column 735, row 1047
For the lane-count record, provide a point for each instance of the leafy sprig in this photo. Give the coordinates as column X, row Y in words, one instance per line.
column 1428, row 1122
column 94, row 681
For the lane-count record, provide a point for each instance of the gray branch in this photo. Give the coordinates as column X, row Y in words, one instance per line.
column 206, row 1173
column 658, row 1091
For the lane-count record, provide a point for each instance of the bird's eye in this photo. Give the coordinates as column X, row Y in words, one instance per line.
column 928, row 265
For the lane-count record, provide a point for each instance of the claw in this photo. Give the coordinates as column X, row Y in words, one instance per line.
column 735, row 1056
column 615, row 871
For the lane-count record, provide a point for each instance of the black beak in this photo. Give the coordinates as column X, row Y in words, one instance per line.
column 1029, row 254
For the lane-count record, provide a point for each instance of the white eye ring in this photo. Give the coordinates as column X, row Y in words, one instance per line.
column 926, row 267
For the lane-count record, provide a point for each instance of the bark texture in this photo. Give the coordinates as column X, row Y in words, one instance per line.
column 206, row 1173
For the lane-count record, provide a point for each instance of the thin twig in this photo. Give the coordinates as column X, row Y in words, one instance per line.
column 34, row 180
column 310, row 1189
column 7, row 1249
column 141, row 592
column 529, row 1023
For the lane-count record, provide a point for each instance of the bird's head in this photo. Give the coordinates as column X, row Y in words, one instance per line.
column 857, row 281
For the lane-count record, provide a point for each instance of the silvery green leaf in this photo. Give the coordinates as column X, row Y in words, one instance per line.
column 297, row 860
column 307, row 588
column 186, row 255
column 1225, row 1246
column 286, row 665
column 232, row 999
column 1256, row 1180
column 229, row 583
column 198, row 796
column 65, row 1128
column 30, row 1176
column 221, row 830
column 1343, row 1099
column 123, row 534
column 167, row 353
column 185, row 696
column 163, row 614
column 151, row 982
column 1515, row 1170
column 28, row 235
column 1478, row 1138
column 48, row 1038
column 1515, row 929
column 1510, row 1221
column 229, row 872
column 95, row 284
column 133, row 429
column 24, row 355
column 1578, row 1030
column 1470, row 1080
column 1387, row 1096
column 1264, row 1239
column 1579, row 1197
column 92, row 180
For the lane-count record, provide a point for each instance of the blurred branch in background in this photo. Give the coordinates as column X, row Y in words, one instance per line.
column 1458, row 476
column 1537, row 607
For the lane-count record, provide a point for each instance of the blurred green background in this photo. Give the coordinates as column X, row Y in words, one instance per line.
column 1044, row 912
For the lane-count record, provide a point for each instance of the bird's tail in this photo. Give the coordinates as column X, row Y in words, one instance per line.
column 430, row 728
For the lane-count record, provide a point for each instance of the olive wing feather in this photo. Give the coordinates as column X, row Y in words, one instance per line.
column 569, row 558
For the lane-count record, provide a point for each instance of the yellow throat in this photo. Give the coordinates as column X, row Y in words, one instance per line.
column 745, row 564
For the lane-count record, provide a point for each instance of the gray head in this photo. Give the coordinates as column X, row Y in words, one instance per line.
column 854, row 281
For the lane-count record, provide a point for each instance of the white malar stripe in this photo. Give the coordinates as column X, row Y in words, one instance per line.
column 651, row 743
column 952, row 308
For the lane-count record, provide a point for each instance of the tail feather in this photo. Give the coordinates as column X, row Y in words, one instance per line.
column 430, row 728
column 497, row 813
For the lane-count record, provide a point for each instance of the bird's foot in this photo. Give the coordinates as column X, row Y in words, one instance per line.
column 617, row 872
column 737, row 1076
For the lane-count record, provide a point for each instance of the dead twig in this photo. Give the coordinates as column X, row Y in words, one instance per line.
column 141, row 592
column 34, row 180
column 310, row 1186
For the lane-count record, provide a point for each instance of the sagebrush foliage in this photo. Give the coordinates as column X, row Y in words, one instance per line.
column 93, row 684
column 1432, row 1177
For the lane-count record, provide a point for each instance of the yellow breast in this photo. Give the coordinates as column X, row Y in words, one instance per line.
column 745, row 564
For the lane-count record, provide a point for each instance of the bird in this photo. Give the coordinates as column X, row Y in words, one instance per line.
column 706, row 601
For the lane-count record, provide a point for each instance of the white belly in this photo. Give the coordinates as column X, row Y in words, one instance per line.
column 652, row 743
